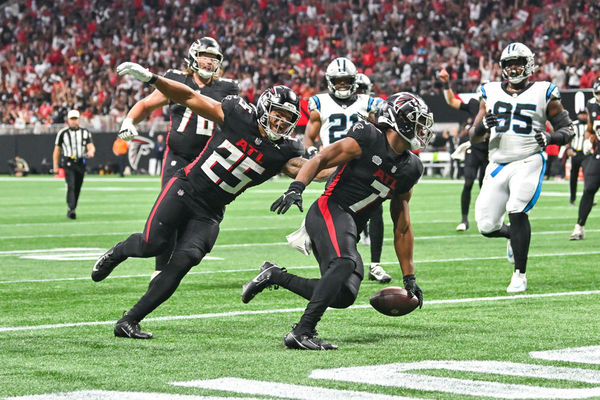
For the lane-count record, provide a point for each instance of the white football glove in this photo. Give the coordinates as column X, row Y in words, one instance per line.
column 128, row 130
column 587, row 147
column 136, row 70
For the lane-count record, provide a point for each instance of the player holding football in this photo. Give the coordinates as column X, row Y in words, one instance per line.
column 514, row 112
column 374, row 163
column 252, row 146
column 188, row 132
column 591, row 172
column 331, row 116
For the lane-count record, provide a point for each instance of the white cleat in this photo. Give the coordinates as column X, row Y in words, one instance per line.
column 377, row 273
column 462, row 227
column 578, row 233
column 509, row 253
column 518, row 283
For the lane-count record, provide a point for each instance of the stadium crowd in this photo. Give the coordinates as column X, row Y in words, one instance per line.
column 59, row 54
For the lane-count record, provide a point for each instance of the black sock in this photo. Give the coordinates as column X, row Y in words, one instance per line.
column 520, row 236
column 504, row 232
column 585, row 206
column 296, row 284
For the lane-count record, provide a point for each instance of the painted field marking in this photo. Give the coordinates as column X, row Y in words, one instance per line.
column 285, row 390
column 287, row 310
column 397, row 375
column 586, row 355
column 114, row 395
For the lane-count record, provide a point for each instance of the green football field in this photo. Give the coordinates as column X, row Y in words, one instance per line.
column 470, row 340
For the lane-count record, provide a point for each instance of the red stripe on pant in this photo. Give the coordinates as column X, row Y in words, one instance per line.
column 160, row 198
column 329, row 222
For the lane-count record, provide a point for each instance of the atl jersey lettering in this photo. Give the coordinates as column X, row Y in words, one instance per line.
column 519, row 116
column 337, row 116
column 361, row 185
column 593, row 109
column 236, row 157
column 189, row 132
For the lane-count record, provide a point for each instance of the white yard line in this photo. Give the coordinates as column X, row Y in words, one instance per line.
column 288, row 310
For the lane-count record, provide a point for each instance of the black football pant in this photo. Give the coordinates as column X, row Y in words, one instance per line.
column 576, row 164
column 591, row 183
column 74, row 173
column 173, row 213
column 171, row 164
column 376, row 234
column 475, row 164
column 333, row 235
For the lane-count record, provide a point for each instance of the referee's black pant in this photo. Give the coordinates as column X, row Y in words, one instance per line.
column 74, row 172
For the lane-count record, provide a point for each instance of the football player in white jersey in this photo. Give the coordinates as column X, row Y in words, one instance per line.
column 514, row 112
column 331, row 116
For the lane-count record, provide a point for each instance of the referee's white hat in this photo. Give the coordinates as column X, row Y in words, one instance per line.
column 73, row 114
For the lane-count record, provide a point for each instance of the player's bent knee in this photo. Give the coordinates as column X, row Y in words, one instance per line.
column 487, row 228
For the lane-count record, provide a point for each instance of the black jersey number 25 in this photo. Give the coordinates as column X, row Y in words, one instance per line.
column 340, row 123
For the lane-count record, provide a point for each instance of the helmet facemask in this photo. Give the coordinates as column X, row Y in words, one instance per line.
column 205, row 57
column 341, row 78
column 411, row 119
column 277, row 120
column 517, row 63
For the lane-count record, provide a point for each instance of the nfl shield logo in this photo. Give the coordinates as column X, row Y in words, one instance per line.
column 376, row 160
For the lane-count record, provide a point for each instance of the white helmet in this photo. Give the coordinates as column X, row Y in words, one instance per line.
column 363, row 83
column 205, row 45
column 341, row 68
column 517, row 51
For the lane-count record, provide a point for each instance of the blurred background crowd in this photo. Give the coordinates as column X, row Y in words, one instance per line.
column 58, row 54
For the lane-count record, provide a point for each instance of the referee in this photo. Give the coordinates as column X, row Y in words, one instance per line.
column 575, row 152
column 75, row 144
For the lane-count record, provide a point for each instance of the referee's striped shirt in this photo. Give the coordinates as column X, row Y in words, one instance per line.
column 577, row 141
column 73, row 142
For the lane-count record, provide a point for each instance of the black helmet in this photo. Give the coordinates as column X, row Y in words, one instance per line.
column 278, row 98
column 409, row 116
column 206, row 45
column 596, row 89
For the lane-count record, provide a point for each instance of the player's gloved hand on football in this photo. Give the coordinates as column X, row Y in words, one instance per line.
column 543, row 138
column 128, row 130
column 292, row 196
column 410, row 284
column 136, row 70
column 311, row 152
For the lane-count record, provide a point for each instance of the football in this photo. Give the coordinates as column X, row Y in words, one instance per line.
column 394, row 301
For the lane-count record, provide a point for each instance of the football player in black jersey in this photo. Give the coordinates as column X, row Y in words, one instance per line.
column 188, row 132
column 374, row 163
column 476, row 154
column 252, row 146
column 591, row 169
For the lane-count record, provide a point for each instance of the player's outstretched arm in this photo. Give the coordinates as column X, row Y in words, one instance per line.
column 341, row 151
column 404, row 240
column 177, row 92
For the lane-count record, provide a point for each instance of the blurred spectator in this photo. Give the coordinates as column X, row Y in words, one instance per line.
column 18, row 166
column 158, row 152
column 61, row 54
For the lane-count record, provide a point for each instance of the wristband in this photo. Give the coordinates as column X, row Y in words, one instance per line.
column 446, row 85
column 297, row 187
column 153, row 79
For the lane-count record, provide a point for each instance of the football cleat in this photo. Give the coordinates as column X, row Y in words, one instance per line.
column 578, row 233
column 518, row 283
column 71, row 214
column 131, row 329
column 509, row 252
column 377, row 273
column 306, row 342
column 260, row 282
column 463, row 226
column 105, row 265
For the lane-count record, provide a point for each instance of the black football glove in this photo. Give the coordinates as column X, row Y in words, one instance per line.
column 543, row 138
column 489, row 121
column 410, row 284
column 311, row 152
column 292, row 196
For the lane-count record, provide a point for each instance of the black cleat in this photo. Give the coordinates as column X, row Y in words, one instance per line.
column 306, row 342
column 260, row 282
column 71, row 214
column 105, row 265
column 131, row 329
